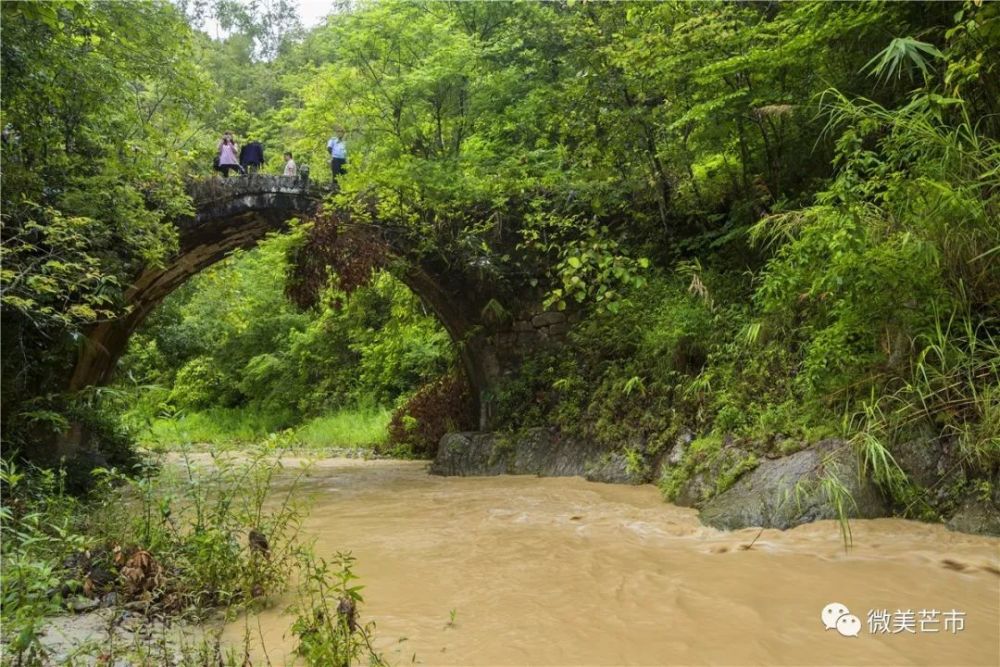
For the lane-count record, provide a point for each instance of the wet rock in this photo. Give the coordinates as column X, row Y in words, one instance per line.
column 534, row 451
column 786, row 492
column 676, row 454
column 707, row 472
column 558, row 329
column 83, row 604
column 978, row 516
column 919, row 460
column 523, row 325
column 463, row 454
column 694, row 490
column 611, row 468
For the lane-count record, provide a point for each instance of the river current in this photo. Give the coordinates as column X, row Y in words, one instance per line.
column 518, row 570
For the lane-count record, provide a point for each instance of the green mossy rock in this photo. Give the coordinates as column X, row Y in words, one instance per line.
column 786, row 492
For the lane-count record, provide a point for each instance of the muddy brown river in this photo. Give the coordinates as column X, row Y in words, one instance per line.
column 562, row 571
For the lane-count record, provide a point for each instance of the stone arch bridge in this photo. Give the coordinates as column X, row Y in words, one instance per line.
column 239, row 212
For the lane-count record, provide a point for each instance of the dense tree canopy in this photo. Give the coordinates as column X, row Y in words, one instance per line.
column 771, row 215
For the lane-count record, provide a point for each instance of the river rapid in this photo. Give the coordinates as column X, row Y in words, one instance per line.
column 561, row 571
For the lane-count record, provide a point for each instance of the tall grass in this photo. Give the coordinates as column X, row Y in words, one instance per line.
column 360, row 427
column 353, row 428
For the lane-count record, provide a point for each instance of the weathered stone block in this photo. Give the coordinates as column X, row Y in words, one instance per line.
column 978, row 516
column 506, row 339
column 547, row 318
column 681, row 443
column 558, row 329
column 612, row 468
column 523, row 325
column 528, row 338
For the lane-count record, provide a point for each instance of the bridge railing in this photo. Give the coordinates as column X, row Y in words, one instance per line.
column 216, row 188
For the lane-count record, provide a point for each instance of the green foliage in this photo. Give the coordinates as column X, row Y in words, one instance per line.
column 40, row 526
column 219, row 427
column 732, row 472
column 548, row 382
column 359, row 428
column 331, row 634
column 739, row 262
column 594, row 269
column 229, row 347
column 863, row 280
column 901, row 49
column 198, row 384
column 68, row 291
column 179, row 540
column 196, row 521
column 836, row 494
column 98, row 99
column 708, row 457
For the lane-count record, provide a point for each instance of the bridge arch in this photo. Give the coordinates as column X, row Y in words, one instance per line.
column 238, row 213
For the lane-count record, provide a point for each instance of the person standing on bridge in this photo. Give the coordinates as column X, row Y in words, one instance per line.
column 338, row 153
column 228, row 155
column 252, row 156
column 291, row 169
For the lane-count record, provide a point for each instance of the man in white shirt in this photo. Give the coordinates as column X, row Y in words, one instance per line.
column 291, row 169
column 338, row 153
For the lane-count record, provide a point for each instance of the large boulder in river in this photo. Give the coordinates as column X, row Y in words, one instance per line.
column 796, row 489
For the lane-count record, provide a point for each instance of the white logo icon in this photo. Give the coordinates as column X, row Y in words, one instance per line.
column 836, row 616
column 849, row 625
column 831, row 613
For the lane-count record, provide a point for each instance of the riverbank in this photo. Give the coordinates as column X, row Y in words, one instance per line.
column 123, row 637
column 733, row 487
column 188, row 537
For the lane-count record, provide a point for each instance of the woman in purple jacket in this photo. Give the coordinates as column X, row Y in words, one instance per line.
column 229, row 155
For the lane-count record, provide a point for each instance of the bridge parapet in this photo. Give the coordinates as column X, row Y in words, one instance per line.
column 215, row 198
column 206, row 191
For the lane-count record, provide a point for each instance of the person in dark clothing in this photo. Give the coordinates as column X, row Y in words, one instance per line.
column 252, row 156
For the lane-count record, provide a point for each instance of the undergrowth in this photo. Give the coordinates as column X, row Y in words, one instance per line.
column 197, row 538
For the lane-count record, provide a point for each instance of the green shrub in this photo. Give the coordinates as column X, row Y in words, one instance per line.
column 199, row 384
column 40, row 526
column 327, row 619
